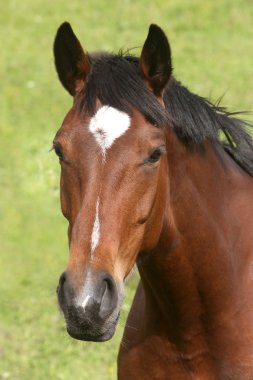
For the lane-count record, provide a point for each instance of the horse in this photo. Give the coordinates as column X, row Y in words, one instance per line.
column 154, row 175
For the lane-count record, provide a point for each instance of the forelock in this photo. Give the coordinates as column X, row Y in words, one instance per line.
column 115, row 81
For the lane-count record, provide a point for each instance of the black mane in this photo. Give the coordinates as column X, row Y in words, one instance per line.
column 115, row 81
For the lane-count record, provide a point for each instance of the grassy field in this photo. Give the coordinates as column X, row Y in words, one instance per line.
column 212, row 44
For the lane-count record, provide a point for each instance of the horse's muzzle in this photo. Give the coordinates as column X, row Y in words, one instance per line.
column 91, row 313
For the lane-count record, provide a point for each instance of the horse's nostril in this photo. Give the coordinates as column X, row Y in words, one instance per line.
column 110, row 296
column 62, row 279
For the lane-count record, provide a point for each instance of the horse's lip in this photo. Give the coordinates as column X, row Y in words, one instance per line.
column 91, row 338
column 77, row 333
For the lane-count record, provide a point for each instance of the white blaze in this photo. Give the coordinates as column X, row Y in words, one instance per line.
column 107, row 125
column 96, row 229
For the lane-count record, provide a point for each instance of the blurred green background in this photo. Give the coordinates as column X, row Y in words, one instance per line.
column 212, row 45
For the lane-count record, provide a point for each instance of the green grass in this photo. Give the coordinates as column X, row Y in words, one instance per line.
column 212, row 54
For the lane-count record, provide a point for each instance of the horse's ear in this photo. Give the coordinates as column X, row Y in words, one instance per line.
column 155, row 61
column 71, row 63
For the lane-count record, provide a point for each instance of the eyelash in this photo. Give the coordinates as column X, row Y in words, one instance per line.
column 58, row 152
column 154, row 156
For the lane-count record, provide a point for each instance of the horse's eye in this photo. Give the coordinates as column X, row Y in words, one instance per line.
column 155, row 156
column 58, row 152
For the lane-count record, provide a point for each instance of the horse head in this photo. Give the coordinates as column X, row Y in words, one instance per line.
column 112, row 153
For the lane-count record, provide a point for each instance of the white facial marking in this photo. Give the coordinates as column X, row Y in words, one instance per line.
column 96, row 230
column 84, row 303
column 107, row 125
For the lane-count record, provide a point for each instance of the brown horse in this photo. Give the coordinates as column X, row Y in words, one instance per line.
column 145, row 179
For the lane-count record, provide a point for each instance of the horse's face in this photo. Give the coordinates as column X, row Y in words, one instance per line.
column 113, row 193
column 113, row 183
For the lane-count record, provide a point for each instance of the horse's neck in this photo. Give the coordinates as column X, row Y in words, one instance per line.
column 199, row 276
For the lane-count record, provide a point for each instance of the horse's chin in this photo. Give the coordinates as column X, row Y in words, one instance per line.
column 93, row 334
column 84, row 336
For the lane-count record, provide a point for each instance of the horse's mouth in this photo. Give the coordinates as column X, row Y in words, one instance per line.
column 92, row 334
column 89, row 337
